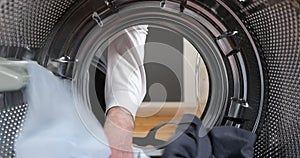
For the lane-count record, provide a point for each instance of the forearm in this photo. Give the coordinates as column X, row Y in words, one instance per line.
column 121, row 118
column 119, row 128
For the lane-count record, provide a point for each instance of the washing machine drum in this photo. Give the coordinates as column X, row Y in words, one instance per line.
column 249, row 51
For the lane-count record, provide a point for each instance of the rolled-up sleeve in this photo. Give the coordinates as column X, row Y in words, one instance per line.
column 125, row 75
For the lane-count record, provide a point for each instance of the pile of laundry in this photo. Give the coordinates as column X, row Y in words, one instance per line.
column 192, row 140
column 54, row 128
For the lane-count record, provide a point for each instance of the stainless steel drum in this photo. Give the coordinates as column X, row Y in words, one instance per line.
column 251, row 50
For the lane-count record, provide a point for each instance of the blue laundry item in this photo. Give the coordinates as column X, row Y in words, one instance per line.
column 53, row 128
column 193, row 141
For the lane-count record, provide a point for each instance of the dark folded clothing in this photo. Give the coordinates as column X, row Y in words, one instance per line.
column 193, row 141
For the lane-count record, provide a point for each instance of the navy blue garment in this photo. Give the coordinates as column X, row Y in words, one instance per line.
column 193, row 141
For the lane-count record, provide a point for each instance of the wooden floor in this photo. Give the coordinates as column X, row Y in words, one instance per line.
column 144, row 124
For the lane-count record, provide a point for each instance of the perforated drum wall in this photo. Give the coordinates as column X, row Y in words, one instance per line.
column 276, row 24
column 11, row 120
column 27, row 23
column 24, row 24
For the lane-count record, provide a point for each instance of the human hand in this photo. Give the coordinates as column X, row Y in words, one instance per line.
column 119, row 126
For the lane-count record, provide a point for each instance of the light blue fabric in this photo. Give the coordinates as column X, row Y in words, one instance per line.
column 53, row 128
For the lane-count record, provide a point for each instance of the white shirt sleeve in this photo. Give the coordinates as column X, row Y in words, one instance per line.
column 125, row 75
